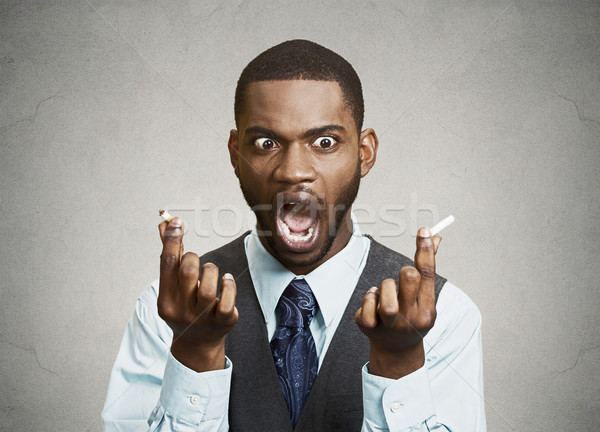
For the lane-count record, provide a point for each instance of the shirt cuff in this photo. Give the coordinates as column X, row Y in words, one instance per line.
column 400, row 404
column 195, row 396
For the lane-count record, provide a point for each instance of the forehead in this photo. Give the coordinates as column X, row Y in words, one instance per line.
column 295, row 105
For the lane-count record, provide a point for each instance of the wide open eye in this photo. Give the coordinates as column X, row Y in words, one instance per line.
column 265, row 143
column 325, row 142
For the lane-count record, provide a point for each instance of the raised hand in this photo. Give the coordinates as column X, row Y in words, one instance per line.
column 396, row 319
column 199, row 319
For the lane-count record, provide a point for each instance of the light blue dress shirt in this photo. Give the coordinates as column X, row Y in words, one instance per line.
column 150, row 390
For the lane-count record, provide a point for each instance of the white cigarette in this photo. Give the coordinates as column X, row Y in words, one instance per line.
column 165, row 215
column 441, row 225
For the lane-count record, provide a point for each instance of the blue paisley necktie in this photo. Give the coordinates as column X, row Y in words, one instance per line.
column 293, row 346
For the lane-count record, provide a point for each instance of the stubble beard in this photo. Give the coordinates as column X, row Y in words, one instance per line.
column 340, row 207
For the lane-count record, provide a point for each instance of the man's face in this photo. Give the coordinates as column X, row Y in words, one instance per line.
column 297, row 156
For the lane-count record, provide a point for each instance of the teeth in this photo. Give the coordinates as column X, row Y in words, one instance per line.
column 296, row 237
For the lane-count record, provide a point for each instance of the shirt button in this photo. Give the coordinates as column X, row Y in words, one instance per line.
column 395, row 407
column 195, row 399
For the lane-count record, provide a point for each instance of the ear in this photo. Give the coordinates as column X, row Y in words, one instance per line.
column 233, row 146
column 368, row 146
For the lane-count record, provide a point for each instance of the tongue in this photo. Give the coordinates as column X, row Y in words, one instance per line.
column 297, row 217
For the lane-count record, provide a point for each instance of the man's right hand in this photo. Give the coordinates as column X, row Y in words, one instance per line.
column 199, row 319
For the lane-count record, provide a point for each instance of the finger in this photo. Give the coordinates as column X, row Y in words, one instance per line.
column 366, row 316
column 409, row 288
column 189, row 267
column 425, row 263
column 437, row 239
column 226, row 310
column 171, row 236
column 207, row 291
column 388, row 302
column 161, row 229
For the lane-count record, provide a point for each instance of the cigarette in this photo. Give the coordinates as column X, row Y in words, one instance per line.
column 441, row 225
column 165, row 215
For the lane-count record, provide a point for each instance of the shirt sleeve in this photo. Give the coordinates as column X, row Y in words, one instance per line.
column 446, row 394
column 149, row 390
column 192, row 401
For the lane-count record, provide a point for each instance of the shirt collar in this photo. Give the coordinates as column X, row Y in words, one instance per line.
column 270, row 277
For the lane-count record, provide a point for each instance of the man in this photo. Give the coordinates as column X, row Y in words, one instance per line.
column 303, row 324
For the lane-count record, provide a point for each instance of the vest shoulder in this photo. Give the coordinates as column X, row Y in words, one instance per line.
column 227, row 253
column 384, row 256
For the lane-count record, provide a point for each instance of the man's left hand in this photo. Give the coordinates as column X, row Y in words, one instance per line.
column 396, row 319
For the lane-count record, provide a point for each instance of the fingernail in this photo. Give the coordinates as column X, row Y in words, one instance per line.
column 373, row 290
column 228, row 276
column 176, row 222
column 424, row 232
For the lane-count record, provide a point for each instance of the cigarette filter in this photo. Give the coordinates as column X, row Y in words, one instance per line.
column 165, row 215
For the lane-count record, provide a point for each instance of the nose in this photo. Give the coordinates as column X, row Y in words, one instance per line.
column 295, row 165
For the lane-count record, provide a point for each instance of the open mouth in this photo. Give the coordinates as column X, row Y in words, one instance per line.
column 297, row 221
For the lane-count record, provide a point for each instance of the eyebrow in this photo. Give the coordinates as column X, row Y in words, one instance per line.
column 259, row 130
column 323, row 129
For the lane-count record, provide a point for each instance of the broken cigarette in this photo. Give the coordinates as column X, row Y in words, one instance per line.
column 441, row 225
column 165, row 215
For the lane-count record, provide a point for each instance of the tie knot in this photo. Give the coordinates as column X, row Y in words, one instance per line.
column 297, row 305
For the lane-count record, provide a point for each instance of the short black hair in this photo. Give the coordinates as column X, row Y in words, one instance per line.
column 303, row 60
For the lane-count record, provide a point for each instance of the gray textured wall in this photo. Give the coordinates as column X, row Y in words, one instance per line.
column 489, row 110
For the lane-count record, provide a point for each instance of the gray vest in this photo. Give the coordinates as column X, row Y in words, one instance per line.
column 335, row 402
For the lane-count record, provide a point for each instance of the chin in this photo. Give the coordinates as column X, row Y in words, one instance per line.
column 299, row 262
